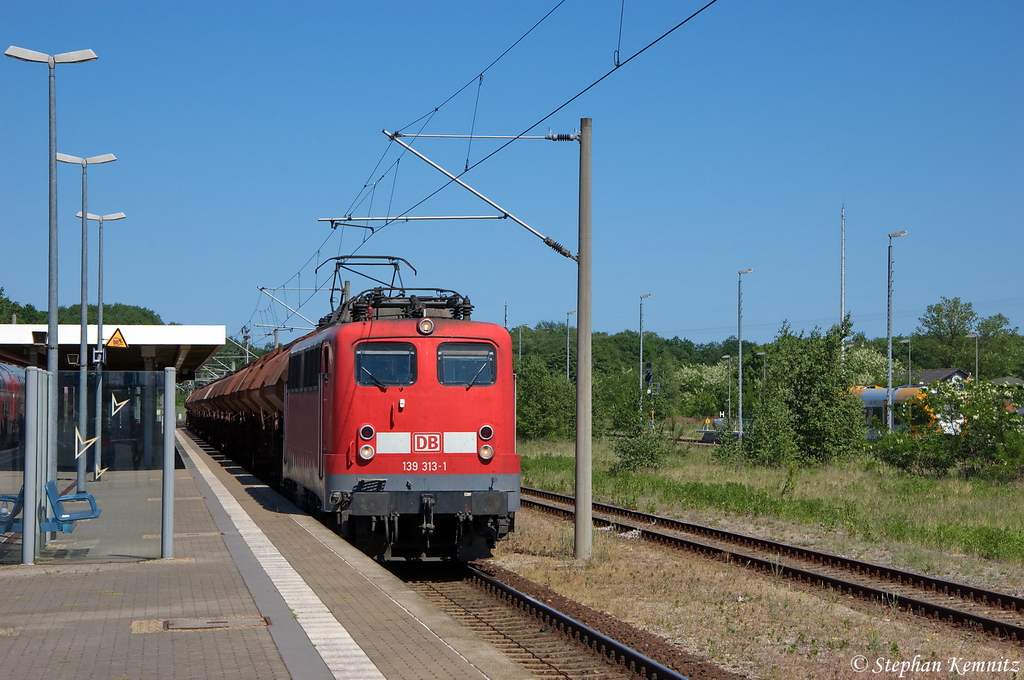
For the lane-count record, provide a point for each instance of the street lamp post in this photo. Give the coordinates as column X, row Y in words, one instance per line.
column 520, row 327
column 977, row 376
column 52, row 344
column 99, row 355
column 888, row 384
column 83, row 342
column 567, row 315
column 910, row 381
column 739, row 332
column 910, row 366
column 642, row 351
column 728, row 384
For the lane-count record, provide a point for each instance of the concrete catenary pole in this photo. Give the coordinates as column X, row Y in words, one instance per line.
column 584, row 425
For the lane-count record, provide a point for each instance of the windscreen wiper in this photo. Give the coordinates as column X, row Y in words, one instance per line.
column 376, row 381
column 478, row 372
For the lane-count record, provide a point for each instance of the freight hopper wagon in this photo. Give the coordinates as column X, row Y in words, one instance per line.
column 395, row 420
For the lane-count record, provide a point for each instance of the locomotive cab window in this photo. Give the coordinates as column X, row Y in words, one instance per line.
column 382, row 364
column 465, row 363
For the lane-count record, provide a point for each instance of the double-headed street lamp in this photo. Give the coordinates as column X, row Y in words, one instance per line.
column 977, row 377
column 739, row 332
column 99, row 354
column 83, row 344
column 888, row 384
column 52, row 344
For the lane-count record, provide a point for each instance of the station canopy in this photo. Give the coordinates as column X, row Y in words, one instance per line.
column 128, row 348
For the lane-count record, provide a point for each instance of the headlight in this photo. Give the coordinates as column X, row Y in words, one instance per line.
column 366, row 452
column 366, row 433
column 425, row 326
column 486, row 432
column 486, row 452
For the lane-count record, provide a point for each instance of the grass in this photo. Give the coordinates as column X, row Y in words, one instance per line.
column 857, row 498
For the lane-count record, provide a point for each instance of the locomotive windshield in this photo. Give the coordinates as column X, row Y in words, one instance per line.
column 385, row 363
column 466, row 364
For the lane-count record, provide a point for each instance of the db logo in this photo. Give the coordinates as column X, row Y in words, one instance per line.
column 426, row 442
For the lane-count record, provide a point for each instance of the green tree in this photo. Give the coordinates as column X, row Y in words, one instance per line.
column 865, row 365
column 113, row 314
column 703, row 389
column 24, row 313
column 805, row 410
column 545, row 402
column 1000, row 348
column 616, row 400
column 942, row 335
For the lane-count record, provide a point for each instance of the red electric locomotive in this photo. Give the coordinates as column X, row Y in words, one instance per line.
column 398, row 422
column 12, row 406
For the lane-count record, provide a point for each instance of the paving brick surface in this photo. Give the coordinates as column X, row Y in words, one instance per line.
column 67, row 619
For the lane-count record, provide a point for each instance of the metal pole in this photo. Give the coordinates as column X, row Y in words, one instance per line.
column 888, row 335
column 567, row 315
column 977, row 375
column 52, row 339
column 642, row 352
column 30, row 434
column 729, row 386
column 584, row 491
column 888, row 393
column 98, row 455
column 910, row 381
column 167, row 502
column 739, row 360
column 739, row 333
column 842, row 281
column 83, row 343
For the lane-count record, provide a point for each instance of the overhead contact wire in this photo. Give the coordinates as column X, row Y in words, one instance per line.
column 596, row 82
column 558, row 108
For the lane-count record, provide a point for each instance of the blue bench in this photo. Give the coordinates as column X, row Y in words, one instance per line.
column 63, row 520
column 7, row 514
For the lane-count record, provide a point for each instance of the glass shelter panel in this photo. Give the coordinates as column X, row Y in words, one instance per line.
column 12, row 458
column 119, row 513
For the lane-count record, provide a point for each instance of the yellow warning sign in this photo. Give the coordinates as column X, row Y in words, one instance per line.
column 117, row 340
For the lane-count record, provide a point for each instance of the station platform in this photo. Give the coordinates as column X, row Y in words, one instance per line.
column 256, row 589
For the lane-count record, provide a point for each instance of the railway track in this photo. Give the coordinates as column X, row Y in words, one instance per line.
column 544, row 640
column 995, row 613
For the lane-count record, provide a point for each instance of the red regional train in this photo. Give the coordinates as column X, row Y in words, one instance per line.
column 395, row 420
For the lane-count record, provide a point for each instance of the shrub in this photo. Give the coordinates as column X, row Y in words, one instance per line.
column 971, row 429
column 644, row 447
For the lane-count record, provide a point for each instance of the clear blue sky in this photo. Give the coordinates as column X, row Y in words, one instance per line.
column 730, row 144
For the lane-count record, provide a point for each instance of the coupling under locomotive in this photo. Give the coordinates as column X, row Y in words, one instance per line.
column 395, row 420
